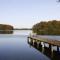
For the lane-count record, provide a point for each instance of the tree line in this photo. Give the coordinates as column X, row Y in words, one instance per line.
column 47, row 28
column 6, row 29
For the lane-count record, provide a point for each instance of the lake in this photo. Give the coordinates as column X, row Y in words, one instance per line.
column 15, row 47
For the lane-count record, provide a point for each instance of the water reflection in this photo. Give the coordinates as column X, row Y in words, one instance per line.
column 15, row 47
column 6, row 31
column 53, row 55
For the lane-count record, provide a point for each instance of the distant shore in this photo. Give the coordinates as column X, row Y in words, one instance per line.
column 22, row 29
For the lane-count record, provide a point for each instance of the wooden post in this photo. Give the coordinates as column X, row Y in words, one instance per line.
column 35, row 43
column 44, row 44
column 31, row 41
column 28, row 40
column 39, row 43
column 57, row 48
column 50, row 47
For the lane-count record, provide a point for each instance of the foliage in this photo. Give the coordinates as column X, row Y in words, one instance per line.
column 5, row 29
column 47, row 28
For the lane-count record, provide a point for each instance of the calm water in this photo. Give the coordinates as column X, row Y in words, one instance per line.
column 15, row 47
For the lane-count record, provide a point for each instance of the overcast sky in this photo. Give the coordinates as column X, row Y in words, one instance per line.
column 26, row 13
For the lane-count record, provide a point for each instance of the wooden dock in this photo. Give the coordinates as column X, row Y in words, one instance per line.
column 51, row 42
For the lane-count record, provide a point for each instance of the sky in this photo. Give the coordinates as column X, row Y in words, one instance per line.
column 26, row 13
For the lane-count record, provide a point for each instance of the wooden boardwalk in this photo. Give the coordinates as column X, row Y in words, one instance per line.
column 36, row 41
column 45, row 40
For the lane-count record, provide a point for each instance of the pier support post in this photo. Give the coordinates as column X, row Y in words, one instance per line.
column 31, row 41
column 39, row 45
column 50, row 47
column 35, row 43
column 57, row 48
column 28, row 40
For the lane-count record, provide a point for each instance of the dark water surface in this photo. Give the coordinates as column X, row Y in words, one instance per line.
column 15, row 47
